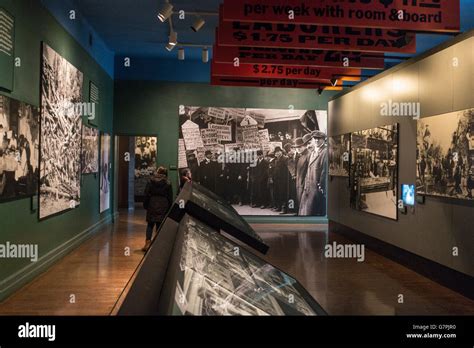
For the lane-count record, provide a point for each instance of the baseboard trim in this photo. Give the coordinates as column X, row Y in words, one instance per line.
column 25, row 275
column 448, row 277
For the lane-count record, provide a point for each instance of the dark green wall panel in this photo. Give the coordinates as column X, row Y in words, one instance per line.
column 17, row 224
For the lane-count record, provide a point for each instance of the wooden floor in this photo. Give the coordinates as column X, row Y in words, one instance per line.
column 98, row 271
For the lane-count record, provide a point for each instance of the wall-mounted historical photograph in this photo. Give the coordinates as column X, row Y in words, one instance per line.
column 374, row 171
column 90, row 150
column 339, row 155
column 60, row 156
column 445, row 155
column 145, row 163
column 262, row 161
column 19, row 149
column 104, row 180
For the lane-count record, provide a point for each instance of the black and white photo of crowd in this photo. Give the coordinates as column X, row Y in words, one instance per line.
column 104, row 180
column 214, row 280
column 145, row 163
column 339, row 155
column 60, row 166
column 374, row 171
column 19, row 149
column 262, row 161
column 445, row 155
column 90, row 150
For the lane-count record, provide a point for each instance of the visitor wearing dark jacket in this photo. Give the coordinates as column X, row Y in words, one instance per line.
column 158, row 200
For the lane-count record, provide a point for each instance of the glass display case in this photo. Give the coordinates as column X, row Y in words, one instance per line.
column 216, row 277
column 205, row 205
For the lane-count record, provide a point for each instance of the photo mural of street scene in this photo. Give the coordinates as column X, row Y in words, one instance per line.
column 262, row 161
column 90, row 150
column 61, row 124
column 19, row 149
column 445, row 155
column 339, row 155
column 374, row 171
column 145, row 164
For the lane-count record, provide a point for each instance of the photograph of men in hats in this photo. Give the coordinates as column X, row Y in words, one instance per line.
column 262, row 161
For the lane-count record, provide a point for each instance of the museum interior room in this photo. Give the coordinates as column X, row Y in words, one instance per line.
column 231, row 157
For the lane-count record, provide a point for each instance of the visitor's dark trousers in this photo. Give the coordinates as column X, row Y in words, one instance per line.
column 149, row 229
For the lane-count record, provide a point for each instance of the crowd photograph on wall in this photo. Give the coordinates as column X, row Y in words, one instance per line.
column 262, row 161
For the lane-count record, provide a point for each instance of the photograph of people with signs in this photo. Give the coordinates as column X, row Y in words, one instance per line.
column 445, row 155
column 145, row 164
column 374, row 170
column 262, row 161
column 19, row 149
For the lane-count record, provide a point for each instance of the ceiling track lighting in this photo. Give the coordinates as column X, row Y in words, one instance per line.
column 198, row 24
column 205, row 55
column 165, row 12
column 320, row 90
column 333, row 82
column 173, row 38
column 181, row 53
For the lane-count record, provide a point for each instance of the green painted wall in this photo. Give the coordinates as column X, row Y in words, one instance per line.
column 151, row 107
column 17, row 224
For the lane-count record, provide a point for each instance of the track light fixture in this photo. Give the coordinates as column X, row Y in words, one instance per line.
column 181, row 55
column 198, row 24
column 205, row 55
column 333, row 82
column 170, row 47
column 173, row 38
column 165, row 12
column 320, row 90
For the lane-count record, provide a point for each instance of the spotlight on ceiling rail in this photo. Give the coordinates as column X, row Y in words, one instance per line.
column 205, row 55
column 198, row 24
column 165, row 12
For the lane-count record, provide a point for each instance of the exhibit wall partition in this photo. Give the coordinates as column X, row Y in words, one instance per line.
column 429, row 102
column 57, row 143
column 162, row 108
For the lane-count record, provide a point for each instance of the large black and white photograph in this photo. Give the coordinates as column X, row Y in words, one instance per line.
column 61, row 124
column 445, row 155
column 374, row 171
column 261, row 161
column 19, row 149
column 339, row 155
column 145, row 163
column 104, row 180
column 214, row 280
column 90, row 150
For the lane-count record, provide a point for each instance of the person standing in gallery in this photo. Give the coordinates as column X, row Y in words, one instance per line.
column 313, row 200
column 185, row 177
column 158, row 200
column 301, row 164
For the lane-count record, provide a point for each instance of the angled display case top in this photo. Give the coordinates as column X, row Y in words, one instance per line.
column 205, row 205
column 215, row 277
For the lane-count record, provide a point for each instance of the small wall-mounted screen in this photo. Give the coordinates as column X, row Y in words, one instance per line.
column 408, row 194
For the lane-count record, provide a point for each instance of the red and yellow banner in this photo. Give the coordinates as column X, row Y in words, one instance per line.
column 415, row 15
column 275, row 83
column 277, row 71
column 302, row 36
column 289, row 56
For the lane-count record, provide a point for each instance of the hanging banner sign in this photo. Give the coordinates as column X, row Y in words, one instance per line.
column 277, row 83
column 415, row 15
column 284, row 71
column 292, row 35
column 290, row 56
